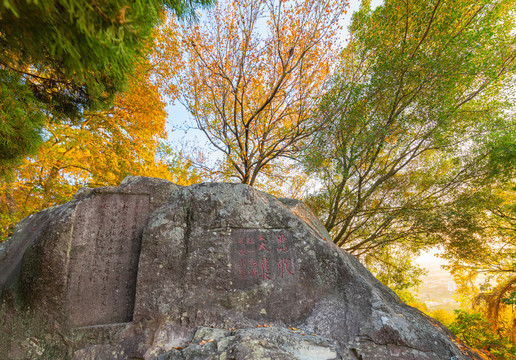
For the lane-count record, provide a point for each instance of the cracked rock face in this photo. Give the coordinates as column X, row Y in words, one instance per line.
column 152, row 270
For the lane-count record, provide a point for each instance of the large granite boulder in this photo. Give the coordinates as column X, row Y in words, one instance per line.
column 152, row 270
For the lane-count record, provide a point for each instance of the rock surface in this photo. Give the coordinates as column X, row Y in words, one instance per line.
column 152, row 270
column 258, row 343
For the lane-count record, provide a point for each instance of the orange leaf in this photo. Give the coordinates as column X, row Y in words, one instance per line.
column 205, row 341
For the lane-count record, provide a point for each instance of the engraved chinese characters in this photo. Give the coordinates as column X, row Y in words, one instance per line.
column 261, row 255
column 104, row 259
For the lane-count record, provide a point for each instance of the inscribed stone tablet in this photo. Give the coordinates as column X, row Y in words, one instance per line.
column 262, row 256
column 104, row 258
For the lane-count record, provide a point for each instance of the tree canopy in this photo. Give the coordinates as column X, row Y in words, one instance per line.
column 59, row 59
column 483, row 255
column 417, row 101
column 252, row 73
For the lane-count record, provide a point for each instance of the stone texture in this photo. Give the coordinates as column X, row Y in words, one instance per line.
column 149, row 269
column 104, row 258
column 258, row 343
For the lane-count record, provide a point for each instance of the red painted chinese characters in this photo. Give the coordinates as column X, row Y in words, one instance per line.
column 261, row 256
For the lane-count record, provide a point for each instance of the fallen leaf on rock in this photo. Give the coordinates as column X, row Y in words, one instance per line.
column 205, row 341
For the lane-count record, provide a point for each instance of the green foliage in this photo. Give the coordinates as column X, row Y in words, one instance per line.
column 480, row 227
column 20, row 120
column 394, row 267
column 477, row 332
column 479, row 233
column 416, row 117
column 73, row 56
column 502, row 154
column 510, row 300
